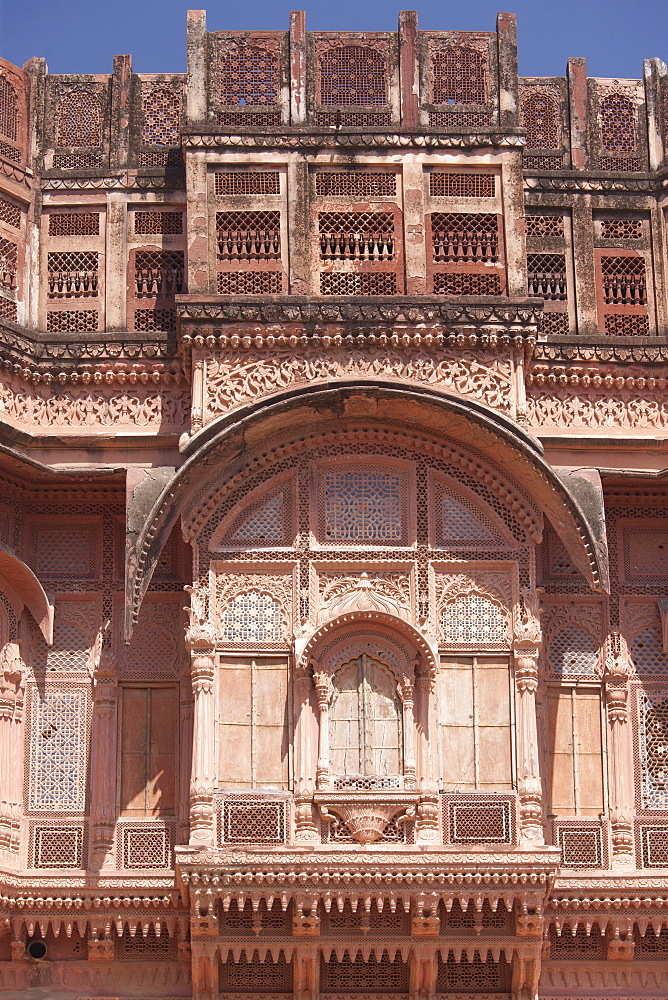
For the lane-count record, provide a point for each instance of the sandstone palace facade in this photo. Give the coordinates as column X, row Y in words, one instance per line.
column 334, row 547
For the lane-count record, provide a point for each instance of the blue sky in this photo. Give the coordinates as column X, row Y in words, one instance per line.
column 81, row 36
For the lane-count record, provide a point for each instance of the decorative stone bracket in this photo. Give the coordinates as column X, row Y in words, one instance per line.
column 366, row 815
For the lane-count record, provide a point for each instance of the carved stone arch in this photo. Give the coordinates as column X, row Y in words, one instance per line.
column 22, row 589
column 495, row 448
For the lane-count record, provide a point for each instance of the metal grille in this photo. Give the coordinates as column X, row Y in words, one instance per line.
column 362, row 506
column 250, row 282
column 248, row 75
column 363, row 236
column 545, row 225
column 473, row 977
column 355, row 975
column 135, row 947
column 464, row 236
column 161, row 109
column 151, row 320
column 581, row 846
column 10, row 213
column 459, row 76
column 457, row 283
column 254, row 976
column 8, row 263
column 624, row 280
column 540, row 118
column 356, row 183
column 473, row 620
column 653, row 747
column 572, row 653
column 447, row 184
column 74, row 224
column 248, row 235
column 253, row 617
column 144, row 847
column 158, row 223
column 621, row 229
column 9, row 109
column 618, row 124
column 478, row 821
column 620, row 325
column 353, row 74
column 72, row 321
column 57, row 846
column 547, row 276
column 58, row 748
column 236, row 182
column 79, row 119
column 158, row 272
column 73, row 275
column 252, row 819
column 383, row 283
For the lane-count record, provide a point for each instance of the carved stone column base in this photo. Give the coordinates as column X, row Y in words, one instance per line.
column 201, row 816
column 531, row 812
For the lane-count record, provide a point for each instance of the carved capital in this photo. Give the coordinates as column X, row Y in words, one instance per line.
column 526, row 670
column 616, row 698
column 201, row 815
column 323, row 688
column 531, row 809
column 202, row 673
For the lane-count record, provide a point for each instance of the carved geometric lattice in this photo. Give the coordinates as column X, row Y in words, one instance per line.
column 621, row 229
column 473, row 977
column 70, row 649
column 547, row 275
column 57, row 846
column 254, row 976
column 472, row 619
column 264, row 524
column 62, row 550
column 554, row 322
column 652, row 946
column 249, row 119
column 236, row 182
column 620, row 325
column 581, row 846
column 158, row 272
column 653, row 747
column 353, row 74
column 580, row 946
column 74, row 224
column 618, row 124
column 252, row 819
column 151, row 320
column 540, row 118
column 354, row 119
column 253, row 617
column 467, row 284
column 76, row 161
column 79, row 120
column 58, row 751
column 447, row 184
column 356, row 235
column 8, row 309
column 356, row 183
column 462, row 522
column 72, row 321
column 464, row 236
column 345, row 283
column 248, row 235
column 131, row 948
column 624, row 281
column 647, row 652
column 362, row 506
column 161, row 109
column 478, row 821
column 9, row 110
column 250, row 282
column 8, row 263
column 10, row 213
column 158, row 223
column 653, row 847
column 354, row 975
column 459, row 76
column 572, row 653
column 72, row 275
column 545, row 225
column 248, row 75
column 144, row 847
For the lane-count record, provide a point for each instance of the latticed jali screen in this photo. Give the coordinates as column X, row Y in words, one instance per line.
column 240, row 182
column 79, row 119
column 478, row 820
column 540, row 117
column 353, row 74
column 356, row 184
column 477, row 976
column 74, row 224
column 252, row 819
column 255, row 976
column 355, row 975
column 459, row 76
column 249, row 235
column 73, row 275
column 448, row 184
column 158, row 273
column 623, row 293
column 158, row 223
column 360, row 236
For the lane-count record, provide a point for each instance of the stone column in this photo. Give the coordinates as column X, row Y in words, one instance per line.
column 323, row 689
column 185, row 753
column 305, row 827
column 620, row 754
column 406, row 694
column 103, row 757
column 202, row 776
column 528, row 770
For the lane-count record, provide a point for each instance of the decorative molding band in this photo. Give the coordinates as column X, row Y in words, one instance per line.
column 336, row 138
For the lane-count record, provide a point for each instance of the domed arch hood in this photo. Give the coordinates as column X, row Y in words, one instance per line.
column 571, row 500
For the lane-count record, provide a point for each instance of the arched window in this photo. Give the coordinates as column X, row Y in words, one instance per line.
column 459, row 76
column 9, row 110
column 162, row 115
column 618, row 124
column 353, row 74
column 249, row 75
column 365, row 727
column 79, row 120
column 540, row 117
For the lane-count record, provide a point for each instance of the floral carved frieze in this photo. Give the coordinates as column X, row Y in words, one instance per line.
column 243, row 376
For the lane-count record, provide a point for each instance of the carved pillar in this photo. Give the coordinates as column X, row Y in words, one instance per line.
column 103, row 756
column 407, row 700
column 620, row 754
column 202, row 776
column 12, row 692
column 529, row 783
column 186, row 749
column 323, row 689
column 305, row 827
column 204, row 970
column 306, row 973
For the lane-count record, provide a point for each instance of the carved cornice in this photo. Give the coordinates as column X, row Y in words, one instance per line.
column 616, row 353
column 284, row 138
column 172, row 179
column 604, row 184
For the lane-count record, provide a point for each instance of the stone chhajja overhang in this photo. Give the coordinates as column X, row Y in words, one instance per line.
column 486, row 441
column 615, row 912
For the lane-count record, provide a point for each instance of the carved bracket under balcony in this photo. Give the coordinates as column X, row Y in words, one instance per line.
column 366, row 815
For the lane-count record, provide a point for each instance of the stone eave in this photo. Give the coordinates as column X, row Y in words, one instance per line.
column 289, row 137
